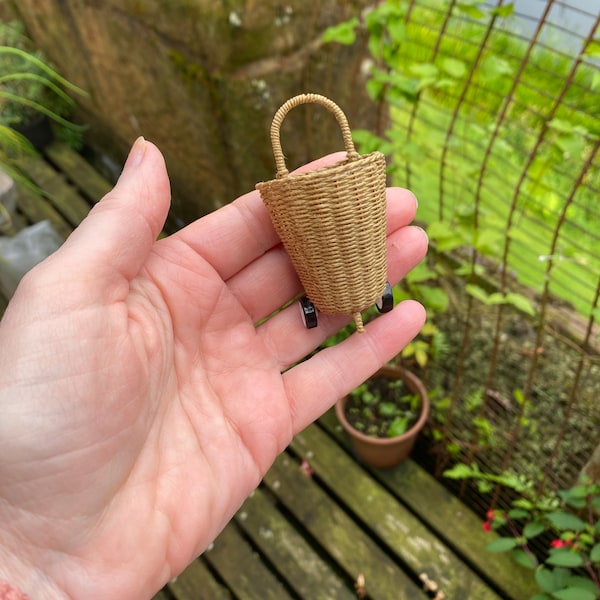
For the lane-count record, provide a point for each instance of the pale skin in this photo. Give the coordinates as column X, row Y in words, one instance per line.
column 139, row 402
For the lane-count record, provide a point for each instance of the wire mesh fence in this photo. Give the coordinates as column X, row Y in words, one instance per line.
column 495, row 125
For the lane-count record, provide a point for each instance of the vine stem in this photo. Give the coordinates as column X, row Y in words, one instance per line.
column 523, row 545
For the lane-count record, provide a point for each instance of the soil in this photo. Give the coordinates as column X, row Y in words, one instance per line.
column 535, row 413
column 376, row 418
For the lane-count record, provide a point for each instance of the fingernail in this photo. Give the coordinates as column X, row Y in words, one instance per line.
column 136, row 154
column 424, row 233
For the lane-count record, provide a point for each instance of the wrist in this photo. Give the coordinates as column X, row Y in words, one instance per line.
column 19, row 577
column 9, row 592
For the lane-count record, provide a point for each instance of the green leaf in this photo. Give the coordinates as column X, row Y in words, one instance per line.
column 461, row 471
column 545, row 579
column 573, row 594
column 521, row 302
column 564, row 521
column 522, row 558
column 518, row 513
column 424, row 70
column 398, row 426
column 561, row 126
column 470, row 10
column 503, row 11
column 595, row 553
column 502, row 545
column 388, row 409
column 533, row 529
column 496, row 298
column 593, row 48
column 343, row 33
column 565, row 558
column 477, row 293
column 420, row 273
column 582, row 583
column 455, row 68
column 445, row 235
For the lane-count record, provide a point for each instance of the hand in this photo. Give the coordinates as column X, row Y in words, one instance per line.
column 140, row 404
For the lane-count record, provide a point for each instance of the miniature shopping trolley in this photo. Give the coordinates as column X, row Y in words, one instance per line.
column 332, row 222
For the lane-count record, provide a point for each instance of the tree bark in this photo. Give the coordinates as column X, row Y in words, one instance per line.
column 203, row 80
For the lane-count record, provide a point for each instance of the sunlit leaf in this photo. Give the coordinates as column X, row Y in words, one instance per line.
column 343, row 33
column 565, row 558
column 454, row 68
column 564, row 521
column 503, row 11
column 502, row 545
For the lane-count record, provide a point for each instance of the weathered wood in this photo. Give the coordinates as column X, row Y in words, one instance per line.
column 37, row 209
column 338, row 534
column 449, row 519
column 79, row 171
column 61, row 195
column 381, row 512
column 304, row 570
column 203, row 79
column 197, row 583
column 241, row 568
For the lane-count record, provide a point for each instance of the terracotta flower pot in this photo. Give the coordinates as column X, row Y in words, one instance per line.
column 390, row 451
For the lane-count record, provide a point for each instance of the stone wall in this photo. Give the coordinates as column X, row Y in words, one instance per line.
column 202, row 79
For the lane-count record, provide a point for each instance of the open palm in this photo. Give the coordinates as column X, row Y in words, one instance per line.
column 141, row 402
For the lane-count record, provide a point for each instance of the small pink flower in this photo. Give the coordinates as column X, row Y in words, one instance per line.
column 487, row 526
column 306, row 468
column 490, row 515
column 558, row 543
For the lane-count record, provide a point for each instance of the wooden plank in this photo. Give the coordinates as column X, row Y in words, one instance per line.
column 197, row 583
column 62, row 196
column 79, row 171
column 306, row 572
column 37, row 209
column 242, row 569
column 449, row 519
column 382, row 513
column 347, row 544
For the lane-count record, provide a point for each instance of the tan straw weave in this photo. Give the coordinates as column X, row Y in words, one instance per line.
column 332, row 221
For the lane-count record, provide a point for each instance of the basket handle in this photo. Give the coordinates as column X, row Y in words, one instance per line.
column 308, row 99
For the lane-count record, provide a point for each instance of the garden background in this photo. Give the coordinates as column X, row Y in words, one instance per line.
column 488, row 111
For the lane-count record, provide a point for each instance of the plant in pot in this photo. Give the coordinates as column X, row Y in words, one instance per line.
column 384, row 416
column 32, row 94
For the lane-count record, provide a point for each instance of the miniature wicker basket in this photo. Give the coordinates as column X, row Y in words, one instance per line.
column 332, row 221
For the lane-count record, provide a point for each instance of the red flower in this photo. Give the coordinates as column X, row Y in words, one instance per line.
column 490, row 515
column 487, row 526
column 558, row 543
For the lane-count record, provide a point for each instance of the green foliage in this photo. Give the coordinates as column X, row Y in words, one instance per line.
column 436, row 147
column 344, row 33
column 570, row 568
column 29, row 87
column 382, row 408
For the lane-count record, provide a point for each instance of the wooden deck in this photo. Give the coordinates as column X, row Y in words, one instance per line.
column 320, row 526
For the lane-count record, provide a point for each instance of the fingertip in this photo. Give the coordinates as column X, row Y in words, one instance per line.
column 401, row 207
column 120, row 230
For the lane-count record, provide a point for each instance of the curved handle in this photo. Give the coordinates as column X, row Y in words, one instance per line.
column 308, row 99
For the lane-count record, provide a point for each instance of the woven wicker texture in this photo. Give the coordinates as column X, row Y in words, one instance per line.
column 332, row 221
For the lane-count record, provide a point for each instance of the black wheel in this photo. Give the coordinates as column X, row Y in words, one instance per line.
column 309, row 313
column 386, row 302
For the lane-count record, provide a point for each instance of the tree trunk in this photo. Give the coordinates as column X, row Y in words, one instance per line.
column 202, row 80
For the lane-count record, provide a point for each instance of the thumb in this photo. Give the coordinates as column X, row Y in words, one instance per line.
column 120, row 230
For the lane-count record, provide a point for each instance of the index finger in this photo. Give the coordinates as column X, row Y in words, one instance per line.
column 233, row 236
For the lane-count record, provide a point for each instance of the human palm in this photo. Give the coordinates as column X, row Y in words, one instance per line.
column 141, row 402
